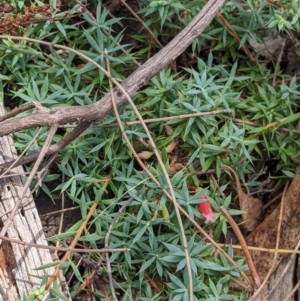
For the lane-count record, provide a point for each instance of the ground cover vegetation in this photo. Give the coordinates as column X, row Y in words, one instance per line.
column 251, row 103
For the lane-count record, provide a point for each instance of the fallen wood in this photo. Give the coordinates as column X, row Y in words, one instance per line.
column 18, row 263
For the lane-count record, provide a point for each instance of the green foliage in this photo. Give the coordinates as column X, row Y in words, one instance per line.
column 98, row 167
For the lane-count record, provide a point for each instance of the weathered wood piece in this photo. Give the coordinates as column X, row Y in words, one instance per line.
column 20, row 262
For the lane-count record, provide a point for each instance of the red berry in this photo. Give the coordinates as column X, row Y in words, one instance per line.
column 206, row 210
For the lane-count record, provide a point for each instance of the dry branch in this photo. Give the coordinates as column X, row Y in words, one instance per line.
column 132, row 84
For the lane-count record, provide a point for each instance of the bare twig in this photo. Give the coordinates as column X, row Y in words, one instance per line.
column 127, row 203
column 62, row 249
column 251, row 248
column 167, row 178
column 278, row 62
column 143, row 24
column 277, row 4
column 169, row 118
column 275, row 124
column 17, row 111
column 107, row 236
column 212, row 177
column 238, row 233
column 61, row 213
column 236, row 36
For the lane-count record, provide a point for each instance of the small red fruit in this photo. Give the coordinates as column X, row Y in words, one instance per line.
column 206, row 210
